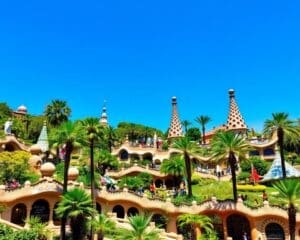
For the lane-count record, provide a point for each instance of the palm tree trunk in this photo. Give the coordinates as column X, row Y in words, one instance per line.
column 232, row 162
column 92, row 180
column 203, row 135
column 280, row 135
column 292, row 221
column 188, row 174
column 69, row 149
column 197, row 231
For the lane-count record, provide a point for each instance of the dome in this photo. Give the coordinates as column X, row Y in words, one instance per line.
column 47, row 169
column 22, row 109
column 35, row 149
column 73, row 173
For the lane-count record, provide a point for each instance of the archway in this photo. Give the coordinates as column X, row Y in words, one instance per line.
column 119, row 210
column 274, row 232
column 98, row 208
column 160, row 220
column 123, row 155
column 132, row 211
column 18, row 214
column 218, row 224
column 148, row 157
column 56, row 219
column 134, row 157
column 237, row 225
column 170, row 183
column 40, row 209
column 158, row 183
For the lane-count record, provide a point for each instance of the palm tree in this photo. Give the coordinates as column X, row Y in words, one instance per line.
column 91, row 127
column 103, row 225
column 187, row 149
column 197, row 223
column 203, row 120
column 37, row 226
column 290, row 190
column 57, row 112
column 284, row 128
column 69, row 135
column 175, row 167
column 109, row 137
column 138, row 231
column 105, row 159
column 186, row 124
column 76, row 205
column 228, row 145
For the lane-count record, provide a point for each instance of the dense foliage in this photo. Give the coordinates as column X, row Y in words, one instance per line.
column 260, row 165
column 14, row 165
column 136, row 131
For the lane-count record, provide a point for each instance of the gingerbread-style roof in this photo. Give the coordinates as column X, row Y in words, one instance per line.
column 235, row 120
column 175, row 129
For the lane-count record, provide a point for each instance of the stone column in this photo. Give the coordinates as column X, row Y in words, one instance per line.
column 171, row 225
column 224, row 227
column 28, row 210
column 51, row 207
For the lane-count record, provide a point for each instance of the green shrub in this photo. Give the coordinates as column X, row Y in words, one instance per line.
column 260, row 165
column 258, row 188
column 244, row 176
column 196, row 179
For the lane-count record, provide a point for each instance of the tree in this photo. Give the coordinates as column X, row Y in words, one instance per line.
column 260, row 165
column 35, row 126
column 68, row 135
column 175, row 167
column 91, row 127
column 185, row 124
column 103, row 225
column 283, row 127
column 203, row 120
column 14, row 165
column 104, row 159
column 76, row 205
column 138, row 229
column 187, row 149
column 229, row 146
column 57, row 112
column 5, row 112
column 194, row 134
column 197, row 223
column 290, row 190
column 109, row 137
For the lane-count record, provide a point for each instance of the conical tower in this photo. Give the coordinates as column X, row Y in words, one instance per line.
column 235, row 121
column 43, row 139
column 175, row 130
column 103, row 119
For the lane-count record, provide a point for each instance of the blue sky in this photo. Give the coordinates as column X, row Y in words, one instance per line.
column 136, row 55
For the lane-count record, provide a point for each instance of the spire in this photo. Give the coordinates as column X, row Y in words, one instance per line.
column 235, row 120
column 103, row 120
column 175, row 129
column 43, row 138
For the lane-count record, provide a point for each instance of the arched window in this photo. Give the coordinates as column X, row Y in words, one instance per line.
column 119, row 210
column 132, row 211
column 124, row 155
column 40, row 209
column 18, row 214
column 160, row 220
column 274, row 232
column 237, row 225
